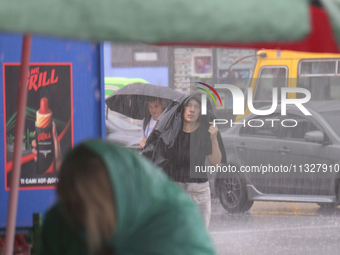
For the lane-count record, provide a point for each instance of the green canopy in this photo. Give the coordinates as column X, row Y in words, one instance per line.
column 156, row 21
column 112, row 84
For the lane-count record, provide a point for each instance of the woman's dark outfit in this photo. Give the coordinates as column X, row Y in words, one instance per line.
column 178, row 152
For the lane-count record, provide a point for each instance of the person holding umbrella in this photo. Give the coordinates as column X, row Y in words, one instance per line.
column 142, row 101
column 156, row 107
column 183, row 139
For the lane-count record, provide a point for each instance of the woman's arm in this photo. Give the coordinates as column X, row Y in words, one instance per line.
column 216, row 156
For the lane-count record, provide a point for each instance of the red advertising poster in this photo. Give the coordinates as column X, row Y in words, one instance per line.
column 48, row 126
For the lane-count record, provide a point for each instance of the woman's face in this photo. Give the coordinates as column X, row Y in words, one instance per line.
column 192, row 110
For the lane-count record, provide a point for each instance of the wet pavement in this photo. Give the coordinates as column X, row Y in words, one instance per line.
column 276, row 228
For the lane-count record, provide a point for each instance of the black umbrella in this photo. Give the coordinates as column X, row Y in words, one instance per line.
column 131, row 99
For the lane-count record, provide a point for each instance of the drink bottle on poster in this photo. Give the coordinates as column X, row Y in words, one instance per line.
column 45, row 145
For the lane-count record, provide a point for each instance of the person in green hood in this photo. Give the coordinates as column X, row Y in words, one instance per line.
column 113, row 201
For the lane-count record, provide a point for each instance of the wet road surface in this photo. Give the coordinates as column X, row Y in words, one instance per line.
column 276, row 228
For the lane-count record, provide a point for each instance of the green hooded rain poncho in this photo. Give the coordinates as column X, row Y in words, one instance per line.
column 154, row 216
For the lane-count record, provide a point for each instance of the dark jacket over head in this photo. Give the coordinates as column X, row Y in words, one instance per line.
column 169, row 125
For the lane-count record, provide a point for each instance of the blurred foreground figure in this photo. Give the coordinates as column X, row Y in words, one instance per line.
column 112, row 201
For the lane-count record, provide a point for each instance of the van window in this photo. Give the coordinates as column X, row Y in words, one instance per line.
column 270, row 77
column 321, row 78
column 317, row 67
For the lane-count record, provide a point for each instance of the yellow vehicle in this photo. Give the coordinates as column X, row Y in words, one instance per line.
column 319, row 73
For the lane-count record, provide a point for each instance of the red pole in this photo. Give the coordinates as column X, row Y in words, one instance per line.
column 19, row 133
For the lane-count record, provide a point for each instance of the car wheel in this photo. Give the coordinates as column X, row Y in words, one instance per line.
column 327, row 208
column 332, row 206
column 233, row 194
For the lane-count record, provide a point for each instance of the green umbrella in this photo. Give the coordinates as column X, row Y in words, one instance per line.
column 309, row 25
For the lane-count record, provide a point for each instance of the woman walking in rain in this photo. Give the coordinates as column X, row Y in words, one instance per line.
column 181, row 141
column 113, row 201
